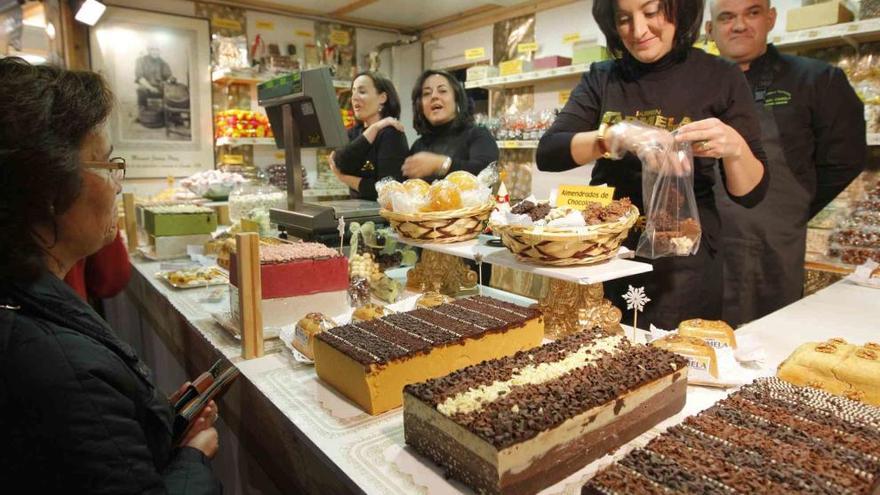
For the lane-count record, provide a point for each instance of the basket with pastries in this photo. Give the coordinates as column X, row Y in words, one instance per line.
column 453, row 209
column 539, row 233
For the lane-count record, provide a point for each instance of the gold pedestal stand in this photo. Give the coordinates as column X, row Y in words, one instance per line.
column 449, row 274
column 570, row 307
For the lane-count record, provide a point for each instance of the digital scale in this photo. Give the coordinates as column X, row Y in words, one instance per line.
column 304, row 113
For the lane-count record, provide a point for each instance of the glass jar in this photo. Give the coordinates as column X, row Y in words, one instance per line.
column 253, row 200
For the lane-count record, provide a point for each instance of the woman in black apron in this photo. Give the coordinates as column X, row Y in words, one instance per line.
column 657, row 78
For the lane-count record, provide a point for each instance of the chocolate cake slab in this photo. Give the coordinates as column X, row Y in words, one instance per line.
column 768, row 437
column 522, row 423
column 370, row 362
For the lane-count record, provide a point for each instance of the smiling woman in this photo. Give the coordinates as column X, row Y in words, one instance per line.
column 659, row 79
column 448, row 140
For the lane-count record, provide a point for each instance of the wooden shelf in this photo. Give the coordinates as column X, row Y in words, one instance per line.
column 517, row 145
column 228, row 76
column 849, row 32
column 228, row 141
column 528, row 78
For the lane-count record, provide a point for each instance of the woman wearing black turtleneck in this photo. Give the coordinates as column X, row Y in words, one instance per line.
column 378, row 145
column 658, row 79
column 448, row 140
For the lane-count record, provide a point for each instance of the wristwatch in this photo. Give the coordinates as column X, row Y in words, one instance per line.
column 444, row 169
column 603, row 145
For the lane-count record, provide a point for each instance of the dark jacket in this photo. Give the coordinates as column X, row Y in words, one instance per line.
column 372, row 161
column 78, row 410
column 472, row 148
column 821, row 122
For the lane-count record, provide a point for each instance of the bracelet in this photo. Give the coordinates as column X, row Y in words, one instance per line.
column 444, row 169
column 603, row 145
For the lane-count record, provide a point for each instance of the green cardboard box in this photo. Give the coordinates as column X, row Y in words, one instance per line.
column 161, row 221
column 585, row 52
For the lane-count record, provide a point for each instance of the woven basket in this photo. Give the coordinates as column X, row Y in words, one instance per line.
column 441, row 226
column 566, row 246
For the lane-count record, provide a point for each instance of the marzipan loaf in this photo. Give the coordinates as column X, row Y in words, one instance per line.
column 837, row 367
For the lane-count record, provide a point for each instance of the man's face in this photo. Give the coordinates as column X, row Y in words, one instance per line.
column 740, row 28
column 153, row 52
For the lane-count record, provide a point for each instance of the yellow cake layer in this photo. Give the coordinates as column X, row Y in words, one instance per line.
column 377, row 388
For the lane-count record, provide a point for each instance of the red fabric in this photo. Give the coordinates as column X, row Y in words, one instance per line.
column 103, row 274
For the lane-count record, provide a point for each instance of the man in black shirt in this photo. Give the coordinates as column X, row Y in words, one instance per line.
column 813, row 132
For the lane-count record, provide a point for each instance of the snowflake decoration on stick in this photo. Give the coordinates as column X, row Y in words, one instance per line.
column 340, row 227
column 636, row 300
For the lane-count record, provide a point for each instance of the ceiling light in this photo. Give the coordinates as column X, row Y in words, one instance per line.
column 90, row 11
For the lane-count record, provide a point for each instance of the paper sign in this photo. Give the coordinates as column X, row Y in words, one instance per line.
column 225, row 23
column 564, row 96
column 579, row 197
column 571, row 38
column 339, row 37
column 475, row 53
column 527, row 47
column 510, row 67
column 266, row 25
column 304, row 34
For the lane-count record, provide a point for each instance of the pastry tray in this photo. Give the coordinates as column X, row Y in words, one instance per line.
column 219, row 278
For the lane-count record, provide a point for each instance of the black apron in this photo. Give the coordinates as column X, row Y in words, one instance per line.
column 764, row 246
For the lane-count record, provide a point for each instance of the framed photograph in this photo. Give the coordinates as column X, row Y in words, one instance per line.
column 159, row 68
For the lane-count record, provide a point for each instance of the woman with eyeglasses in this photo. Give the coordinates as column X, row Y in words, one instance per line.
column 378, row 145
column 79, row 412
column 448, row 138
column 659, row 79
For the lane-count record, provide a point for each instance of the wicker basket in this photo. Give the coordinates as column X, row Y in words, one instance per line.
column 566, row 246
column 441, row 226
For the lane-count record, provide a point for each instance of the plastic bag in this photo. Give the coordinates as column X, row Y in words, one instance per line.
column 672, row 225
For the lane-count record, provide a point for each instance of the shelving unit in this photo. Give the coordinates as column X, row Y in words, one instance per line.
column 517, row 145
column 230, row 141
column 852, row 33
column 527, row 78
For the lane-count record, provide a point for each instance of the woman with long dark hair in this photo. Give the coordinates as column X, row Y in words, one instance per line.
column 79, row 412
column 658, row 78
column 448, row 140
column 378, row 145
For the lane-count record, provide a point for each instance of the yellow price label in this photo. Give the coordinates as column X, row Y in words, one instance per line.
column 564, row 96
column 527, row 47
column 279, row 155
column 578, row 197
column 852, row 28
column 220, row 22
column 510, row 67
column 571, row 38
column 340, row 37
column 266, row 25
column 475, row 53
column 304, row 34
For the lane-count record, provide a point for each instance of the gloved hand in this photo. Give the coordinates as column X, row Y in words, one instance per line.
column 655, row 147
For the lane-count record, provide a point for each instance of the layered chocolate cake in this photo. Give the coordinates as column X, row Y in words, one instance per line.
column 770, row 437
column 521, row 423
column 371, row 361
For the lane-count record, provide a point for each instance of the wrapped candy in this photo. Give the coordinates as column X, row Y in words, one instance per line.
column 442, row 196
column 465, row 181
column 384, row 188
column 416, row 187
column 212, row 183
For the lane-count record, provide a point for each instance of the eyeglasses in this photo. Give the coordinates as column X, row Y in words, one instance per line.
column 113, row 169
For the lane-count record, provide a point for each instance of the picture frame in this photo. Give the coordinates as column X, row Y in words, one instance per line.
column 159, row 68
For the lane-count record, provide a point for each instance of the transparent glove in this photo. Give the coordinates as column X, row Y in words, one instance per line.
column 655, row 147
